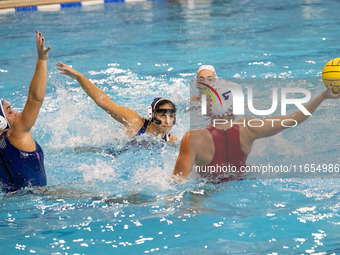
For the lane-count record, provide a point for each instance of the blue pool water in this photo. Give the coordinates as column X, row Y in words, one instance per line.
column 107, row 197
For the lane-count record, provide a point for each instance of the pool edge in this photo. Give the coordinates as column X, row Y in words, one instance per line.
column 13, row 6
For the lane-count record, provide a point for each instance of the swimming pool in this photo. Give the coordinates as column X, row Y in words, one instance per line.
column 118, row 198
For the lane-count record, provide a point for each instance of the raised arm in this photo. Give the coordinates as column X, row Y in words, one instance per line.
column 272, row 125
column 36, row 94
column 126, row 116
column 185, row 159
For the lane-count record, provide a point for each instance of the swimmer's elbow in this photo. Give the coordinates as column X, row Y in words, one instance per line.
column 294, row 120
column 36, row 97
column 102, row 100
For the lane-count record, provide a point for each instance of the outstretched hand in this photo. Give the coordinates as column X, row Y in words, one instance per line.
column 42, row 51
column 328, row 93
column 67, row 70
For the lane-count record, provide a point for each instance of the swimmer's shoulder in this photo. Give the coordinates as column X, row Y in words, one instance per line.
column 134, row 126
column 244, row 128
column 198, row 137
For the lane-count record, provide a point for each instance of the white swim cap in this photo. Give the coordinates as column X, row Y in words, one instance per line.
column 221, row 99
column 206, row 67
column 4, row 124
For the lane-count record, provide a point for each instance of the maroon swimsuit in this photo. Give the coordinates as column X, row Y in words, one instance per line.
column 227, row 153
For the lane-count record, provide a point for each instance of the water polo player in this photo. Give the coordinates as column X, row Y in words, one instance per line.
column 229, row 145
column 21, row 158
column 205, row 74
column 161, row 113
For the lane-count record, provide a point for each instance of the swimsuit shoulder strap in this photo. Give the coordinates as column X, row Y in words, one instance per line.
column 143, row 128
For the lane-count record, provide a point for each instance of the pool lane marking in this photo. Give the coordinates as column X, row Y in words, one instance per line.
column 58, row 7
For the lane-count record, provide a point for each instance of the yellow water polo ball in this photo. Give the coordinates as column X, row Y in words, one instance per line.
column 331, row 74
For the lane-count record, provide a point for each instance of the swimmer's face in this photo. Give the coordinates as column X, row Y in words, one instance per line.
column 206, row 76
column 10, row 113
column 167, row 119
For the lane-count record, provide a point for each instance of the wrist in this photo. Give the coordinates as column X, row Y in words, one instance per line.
column 324, row 95
column 41, row 58
column 78, row 76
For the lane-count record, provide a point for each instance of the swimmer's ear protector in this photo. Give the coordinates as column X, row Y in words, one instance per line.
column 3, row 120
column 151, row 111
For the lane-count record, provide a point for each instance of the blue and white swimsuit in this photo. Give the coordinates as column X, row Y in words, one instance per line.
column 19, row 168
